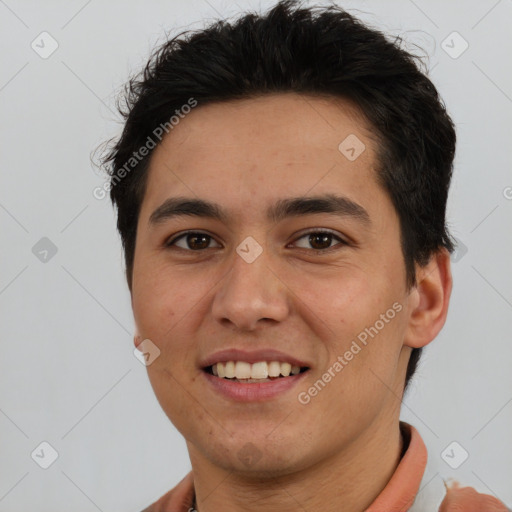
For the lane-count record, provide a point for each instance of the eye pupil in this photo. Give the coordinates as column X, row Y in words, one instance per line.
column 324, row 237
column 195, row 236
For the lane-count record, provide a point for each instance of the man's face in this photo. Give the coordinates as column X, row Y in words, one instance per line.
column 254, row 283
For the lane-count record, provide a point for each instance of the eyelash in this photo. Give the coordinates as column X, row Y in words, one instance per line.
column 171, row 242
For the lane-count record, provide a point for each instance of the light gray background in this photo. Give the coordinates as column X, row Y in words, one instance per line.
column 68, row 375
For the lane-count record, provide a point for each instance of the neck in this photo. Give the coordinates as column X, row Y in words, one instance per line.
column 348, row 481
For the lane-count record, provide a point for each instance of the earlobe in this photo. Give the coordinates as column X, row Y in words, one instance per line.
column 429, row 300
column 137, row 338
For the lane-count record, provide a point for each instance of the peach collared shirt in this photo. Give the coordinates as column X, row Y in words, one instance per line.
column 398, row 495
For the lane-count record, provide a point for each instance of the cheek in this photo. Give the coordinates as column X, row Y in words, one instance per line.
column 159, row 298
column 344, row 301
column 168, row 308
column 353, row 311
column 157, row 314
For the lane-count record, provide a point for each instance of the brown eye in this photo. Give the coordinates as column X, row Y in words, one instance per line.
column 320, row 240
column 194, row 241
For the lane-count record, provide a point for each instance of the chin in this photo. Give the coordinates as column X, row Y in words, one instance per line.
column 254, row 457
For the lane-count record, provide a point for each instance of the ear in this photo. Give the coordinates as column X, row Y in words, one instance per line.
column 137, row 338
column 428, row 300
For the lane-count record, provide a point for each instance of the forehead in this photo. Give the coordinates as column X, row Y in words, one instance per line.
column 265, row 148
column 297, row 120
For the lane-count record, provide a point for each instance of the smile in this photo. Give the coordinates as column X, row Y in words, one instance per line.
column 242, row 387
column 261, row 371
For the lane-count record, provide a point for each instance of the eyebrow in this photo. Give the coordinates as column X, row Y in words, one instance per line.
column 283, row 208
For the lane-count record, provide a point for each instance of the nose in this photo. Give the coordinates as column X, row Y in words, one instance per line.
column 251, row 294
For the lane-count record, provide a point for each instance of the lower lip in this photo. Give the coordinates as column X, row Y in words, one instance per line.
column 254, row 391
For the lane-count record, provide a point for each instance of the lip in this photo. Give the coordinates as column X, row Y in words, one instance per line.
column 255, row 356
column 255, row 391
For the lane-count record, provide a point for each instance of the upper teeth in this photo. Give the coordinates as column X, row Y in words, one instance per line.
column 260, row 370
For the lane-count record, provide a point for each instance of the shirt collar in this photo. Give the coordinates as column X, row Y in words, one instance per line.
column 402, row 488
column 397, row 496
